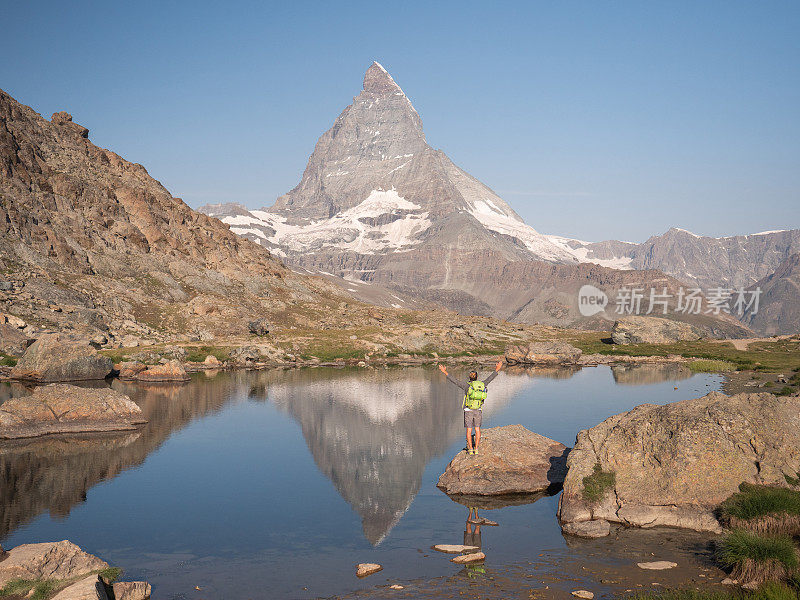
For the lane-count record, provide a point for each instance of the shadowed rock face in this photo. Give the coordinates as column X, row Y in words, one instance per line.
column 674, row 464
column 779, row 306
column 54, row 357
column 373, row 434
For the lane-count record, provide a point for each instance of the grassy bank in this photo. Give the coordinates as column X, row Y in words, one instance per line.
column 772, row 591
column 779, row 356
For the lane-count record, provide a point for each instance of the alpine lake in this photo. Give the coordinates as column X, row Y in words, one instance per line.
column 276, row 483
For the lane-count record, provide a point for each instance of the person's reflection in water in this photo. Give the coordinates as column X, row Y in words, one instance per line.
column 472, row 537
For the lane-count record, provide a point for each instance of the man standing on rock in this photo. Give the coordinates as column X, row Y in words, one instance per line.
column 474, row 397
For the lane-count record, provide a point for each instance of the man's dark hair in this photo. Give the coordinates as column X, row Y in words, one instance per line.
column 473, row 375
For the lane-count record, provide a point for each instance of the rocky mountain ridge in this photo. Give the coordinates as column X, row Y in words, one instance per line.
column 90, row 242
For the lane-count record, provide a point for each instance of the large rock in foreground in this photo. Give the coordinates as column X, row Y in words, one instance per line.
column 54, row 357
column 537, row 353
column 674, row 464
column 512, row 460
column 73, row 572
column 49, row 560
column 652, row 330
column 62, row 408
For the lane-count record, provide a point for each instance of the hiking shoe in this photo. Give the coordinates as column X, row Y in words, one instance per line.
column 475, row 451
column 470, row 452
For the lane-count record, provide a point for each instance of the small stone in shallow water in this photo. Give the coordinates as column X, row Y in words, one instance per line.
column 584, row 594
column 396, row 587
column 455, row 548
column 364, row 569
column 468, row 558
column 657, row 565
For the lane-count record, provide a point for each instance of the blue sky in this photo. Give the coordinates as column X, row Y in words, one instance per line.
column 594, row 120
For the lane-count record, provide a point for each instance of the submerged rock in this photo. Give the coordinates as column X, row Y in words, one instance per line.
column 657, row 565
column 588, row 529
column 549, row 352
column 674, row 464
column 512, row 460
column 63, row 408
column 583, row 594
column 55, row 357
column 652, row 330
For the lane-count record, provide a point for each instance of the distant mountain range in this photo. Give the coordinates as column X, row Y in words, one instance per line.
column 378, row 205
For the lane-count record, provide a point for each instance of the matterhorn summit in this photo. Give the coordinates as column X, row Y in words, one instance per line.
column 373, row 185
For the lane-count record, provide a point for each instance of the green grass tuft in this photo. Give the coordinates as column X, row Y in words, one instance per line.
column 758, row 558
column 597, row 484
column 768, row 591
column 794, row 481
column 110, row 574
column 705, row 365
column 753, row 501
column 42, row 589
column 199, row 354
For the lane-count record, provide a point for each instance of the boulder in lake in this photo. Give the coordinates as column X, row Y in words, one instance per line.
column 49, row 560
column 131, row 590
column 511, row 460
column 129, row 370
column 465, row 559
column 635, row 329
column 364, row 569
column 542, row 353
column 674, row 464
column 171, row 371
column 55, row 357
column 63, row 408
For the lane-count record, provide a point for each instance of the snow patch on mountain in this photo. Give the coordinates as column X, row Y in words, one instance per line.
column 582, row 252
column 348, row 230
column 493, row 218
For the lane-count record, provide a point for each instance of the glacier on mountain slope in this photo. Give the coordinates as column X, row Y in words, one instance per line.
column 345, row 230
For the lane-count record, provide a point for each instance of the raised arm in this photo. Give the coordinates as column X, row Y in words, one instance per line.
column 491, row 377
column 463, row 386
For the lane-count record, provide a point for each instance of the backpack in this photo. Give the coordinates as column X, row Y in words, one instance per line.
column 476, row 394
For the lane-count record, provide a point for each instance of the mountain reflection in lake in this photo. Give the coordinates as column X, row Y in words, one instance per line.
column 310, row 469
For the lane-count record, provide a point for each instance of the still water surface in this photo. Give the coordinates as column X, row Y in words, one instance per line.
column 275, row 483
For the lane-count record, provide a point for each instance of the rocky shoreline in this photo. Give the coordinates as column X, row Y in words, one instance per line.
column 63, row 571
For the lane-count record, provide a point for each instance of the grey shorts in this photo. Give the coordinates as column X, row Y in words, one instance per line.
column 472, row 418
